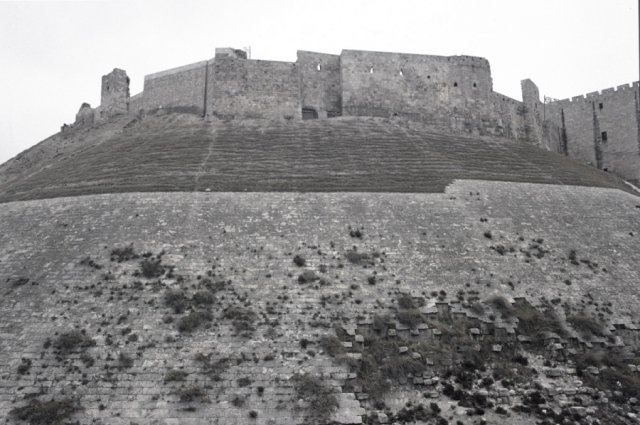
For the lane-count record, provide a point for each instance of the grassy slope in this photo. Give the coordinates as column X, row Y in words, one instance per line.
column 178, row 152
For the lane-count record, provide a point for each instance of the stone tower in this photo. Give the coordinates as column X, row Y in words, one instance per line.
column 532, row 112
column 115, row 93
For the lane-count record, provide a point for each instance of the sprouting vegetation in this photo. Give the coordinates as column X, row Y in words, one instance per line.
column 124, row 254
column 176, row 300
column 299, row 261
column 242, row 319
column 72, row 341
column 151, row 268
column 307, row 276
column 38, row 412
column 192, row 393
column 586, row 325
column 321, row 401
column 194, row 320
column 355, row 257
column 175, row 375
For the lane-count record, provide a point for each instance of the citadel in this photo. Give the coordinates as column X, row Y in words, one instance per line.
column 355, row 239
column 452, row 92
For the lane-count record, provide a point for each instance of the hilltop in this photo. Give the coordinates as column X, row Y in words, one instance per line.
column 369, row 238
column 182, row 152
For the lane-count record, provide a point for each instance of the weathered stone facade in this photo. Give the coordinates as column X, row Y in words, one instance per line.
column 83, row 320
column 600, row 128
column 452, row 92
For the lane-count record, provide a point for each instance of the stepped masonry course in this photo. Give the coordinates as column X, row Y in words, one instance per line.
column 452, row 92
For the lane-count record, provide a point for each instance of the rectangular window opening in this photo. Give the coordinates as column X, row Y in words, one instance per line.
column 309, row 114
column 604, row 136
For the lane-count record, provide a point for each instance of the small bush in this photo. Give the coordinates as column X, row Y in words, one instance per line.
column 520, row 359
column 381, row 324
column 238, row 401
column 615, row 377
column 331, row 345
column 299, row 261
column 193, row 320
column 87, row 360
column 535, row 323
column 192, row 393
column 411, row 317
column 357, row 233
column 124, row 361
column 24, row 367
column 477, row 308
column 500, row 249
column 241, row 318
column 502, row 305
column 307, row 276
column 45, row 412
column 151, row 268
column 212, row 369
column 123, row 254
column 175, row 375
column 176, row 300
column 88, row 261
column 321, row 402
column 405, row 302
column 212, row 286
column 244, row 382
column 356, row 257
column 203, row 298
column 586, row 325
column 71, row 341
column 573, row 257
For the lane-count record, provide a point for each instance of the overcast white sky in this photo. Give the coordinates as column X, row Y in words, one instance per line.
column 53, row 54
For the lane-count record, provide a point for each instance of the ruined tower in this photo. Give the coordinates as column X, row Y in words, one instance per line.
column 115, row 94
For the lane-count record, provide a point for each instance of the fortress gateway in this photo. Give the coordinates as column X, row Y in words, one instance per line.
column 454, row 92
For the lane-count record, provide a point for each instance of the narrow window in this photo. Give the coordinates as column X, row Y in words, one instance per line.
column 455, row 84
column 318, row 67
column 475, row 85
column 604, row 136
column 600, row 106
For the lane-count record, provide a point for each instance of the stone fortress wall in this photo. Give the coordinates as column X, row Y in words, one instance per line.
column 600, row 128
column 425, row 243
column 454, row 92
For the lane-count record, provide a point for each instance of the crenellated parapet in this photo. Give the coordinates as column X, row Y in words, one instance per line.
column 600, row 128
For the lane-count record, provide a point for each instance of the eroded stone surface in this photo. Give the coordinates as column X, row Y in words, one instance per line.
column 423, row 243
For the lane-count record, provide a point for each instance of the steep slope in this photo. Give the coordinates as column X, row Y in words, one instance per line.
column 499, row 284
column 180, row 152
column 288, row 308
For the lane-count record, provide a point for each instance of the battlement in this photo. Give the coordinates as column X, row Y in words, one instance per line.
column 608, row 92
